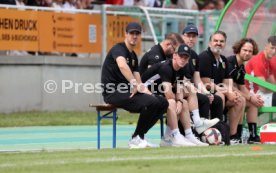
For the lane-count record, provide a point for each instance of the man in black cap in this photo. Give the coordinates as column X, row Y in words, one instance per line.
column 169, row 73
column 123, row 88
column 207, row 101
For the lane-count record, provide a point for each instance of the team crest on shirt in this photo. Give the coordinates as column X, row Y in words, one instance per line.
column 238, row 76
column 194, row 62
column 156, row 57
column 176, row 79
column 133, row 62
column 223, row 65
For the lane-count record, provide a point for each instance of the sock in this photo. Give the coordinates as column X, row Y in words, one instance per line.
column 174, row 132
column 196, row 118
column 189, row 133
column 239, row 131
column 168, row 130
column 252, row 127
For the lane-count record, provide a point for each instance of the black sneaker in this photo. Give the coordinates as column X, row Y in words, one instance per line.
column 254, row 140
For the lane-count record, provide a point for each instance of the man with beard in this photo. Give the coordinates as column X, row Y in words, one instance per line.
column 213, row 68
column 207, row 101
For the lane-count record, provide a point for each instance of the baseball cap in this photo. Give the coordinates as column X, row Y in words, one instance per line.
column 190, row 29
column 134, row 26
column 183, row 49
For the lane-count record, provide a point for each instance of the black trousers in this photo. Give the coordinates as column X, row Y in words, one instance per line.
column 216, row 109
column 274, row 99
column 150, row 107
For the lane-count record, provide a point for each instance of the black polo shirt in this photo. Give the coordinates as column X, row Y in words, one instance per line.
column 192, row 66
column 236, row 72
column 152, row 56
column 111, row 73
column 163, row 72
column 210, row 68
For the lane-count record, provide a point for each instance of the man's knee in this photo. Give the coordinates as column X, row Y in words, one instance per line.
column 202, row 99
column 159, row 104
column 163, row 104
column 217, row 100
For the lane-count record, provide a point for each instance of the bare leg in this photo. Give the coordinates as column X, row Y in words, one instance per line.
column 172, row 118
column 235, row 114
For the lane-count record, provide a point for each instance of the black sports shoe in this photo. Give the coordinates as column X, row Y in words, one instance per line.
column 254, row 140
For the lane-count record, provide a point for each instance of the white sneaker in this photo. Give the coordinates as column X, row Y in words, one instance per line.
column 206, row 124
column 176, row 140
column 197, row 141
column 234, row 141
column 151, row 145
column 137, row 142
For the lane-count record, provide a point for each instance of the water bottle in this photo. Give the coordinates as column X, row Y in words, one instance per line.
column 245, row 135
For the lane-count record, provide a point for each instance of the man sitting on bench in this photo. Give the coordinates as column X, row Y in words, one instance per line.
column 170, row 75
column 123, row 88
column 260, row 66
column 244, row 49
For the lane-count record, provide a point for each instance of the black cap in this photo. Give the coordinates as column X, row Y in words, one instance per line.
column 133, row 26
column 183, row 49
column 190, row 29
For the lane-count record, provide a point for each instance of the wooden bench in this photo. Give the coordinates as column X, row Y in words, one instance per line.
column 108, row 111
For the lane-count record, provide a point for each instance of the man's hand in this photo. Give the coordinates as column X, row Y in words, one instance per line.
column 256, row 100
column 139, row 88
column 211, row 97
column 234, row 97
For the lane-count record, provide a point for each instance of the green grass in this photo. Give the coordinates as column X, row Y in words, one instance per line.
column 234, row 159
column 22, row 119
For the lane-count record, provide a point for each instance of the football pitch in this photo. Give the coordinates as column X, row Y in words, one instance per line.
column 242, row 158
column 71, row 149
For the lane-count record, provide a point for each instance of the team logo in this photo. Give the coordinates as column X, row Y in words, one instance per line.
column 156, row 57
column 133, row 62
column 194, row 62
column 223, row 65
column 186, row 48
column 238, row 76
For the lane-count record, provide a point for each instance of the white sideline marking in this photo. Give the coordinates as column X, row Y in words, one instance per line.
column 118, row 159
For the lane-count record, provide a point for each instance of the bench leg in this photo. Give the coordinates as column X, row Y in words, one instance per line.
column 114, row 128
column 162, row 126
column 271, row 117
column 99, row 129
